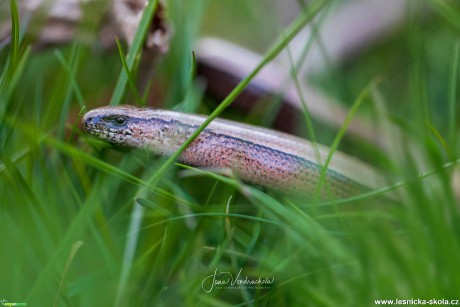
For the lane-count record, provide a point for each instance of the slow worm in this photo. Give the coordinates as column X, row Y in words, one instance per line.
column 260, row 156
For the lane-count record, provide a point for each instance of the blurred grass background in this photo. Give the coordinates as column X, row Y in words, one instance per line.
column 67, row 200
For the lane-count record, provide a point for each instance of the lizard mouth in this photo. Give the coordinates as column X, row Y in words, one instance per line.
column 93, row 125
column 91, row 128
column 94, row 128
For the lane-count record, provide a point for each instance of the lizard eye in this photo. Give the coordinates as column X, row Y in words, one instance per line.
column 119, row 120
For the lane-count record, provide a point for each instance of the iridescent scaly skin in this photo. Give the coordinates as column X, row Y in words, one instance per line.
column 261, row 156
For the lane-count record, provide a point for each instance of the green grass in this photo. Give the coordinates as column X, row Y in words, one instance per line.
column 85, row 224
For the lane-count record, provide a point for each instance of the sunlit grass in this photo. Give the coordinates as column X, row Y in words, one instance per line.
column 83, row 223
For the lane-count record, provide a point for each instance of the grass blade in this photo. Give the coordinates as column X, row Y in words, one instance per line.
column 130, row 77
column 453, row 88
column 134, row 51
column 335, row 144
